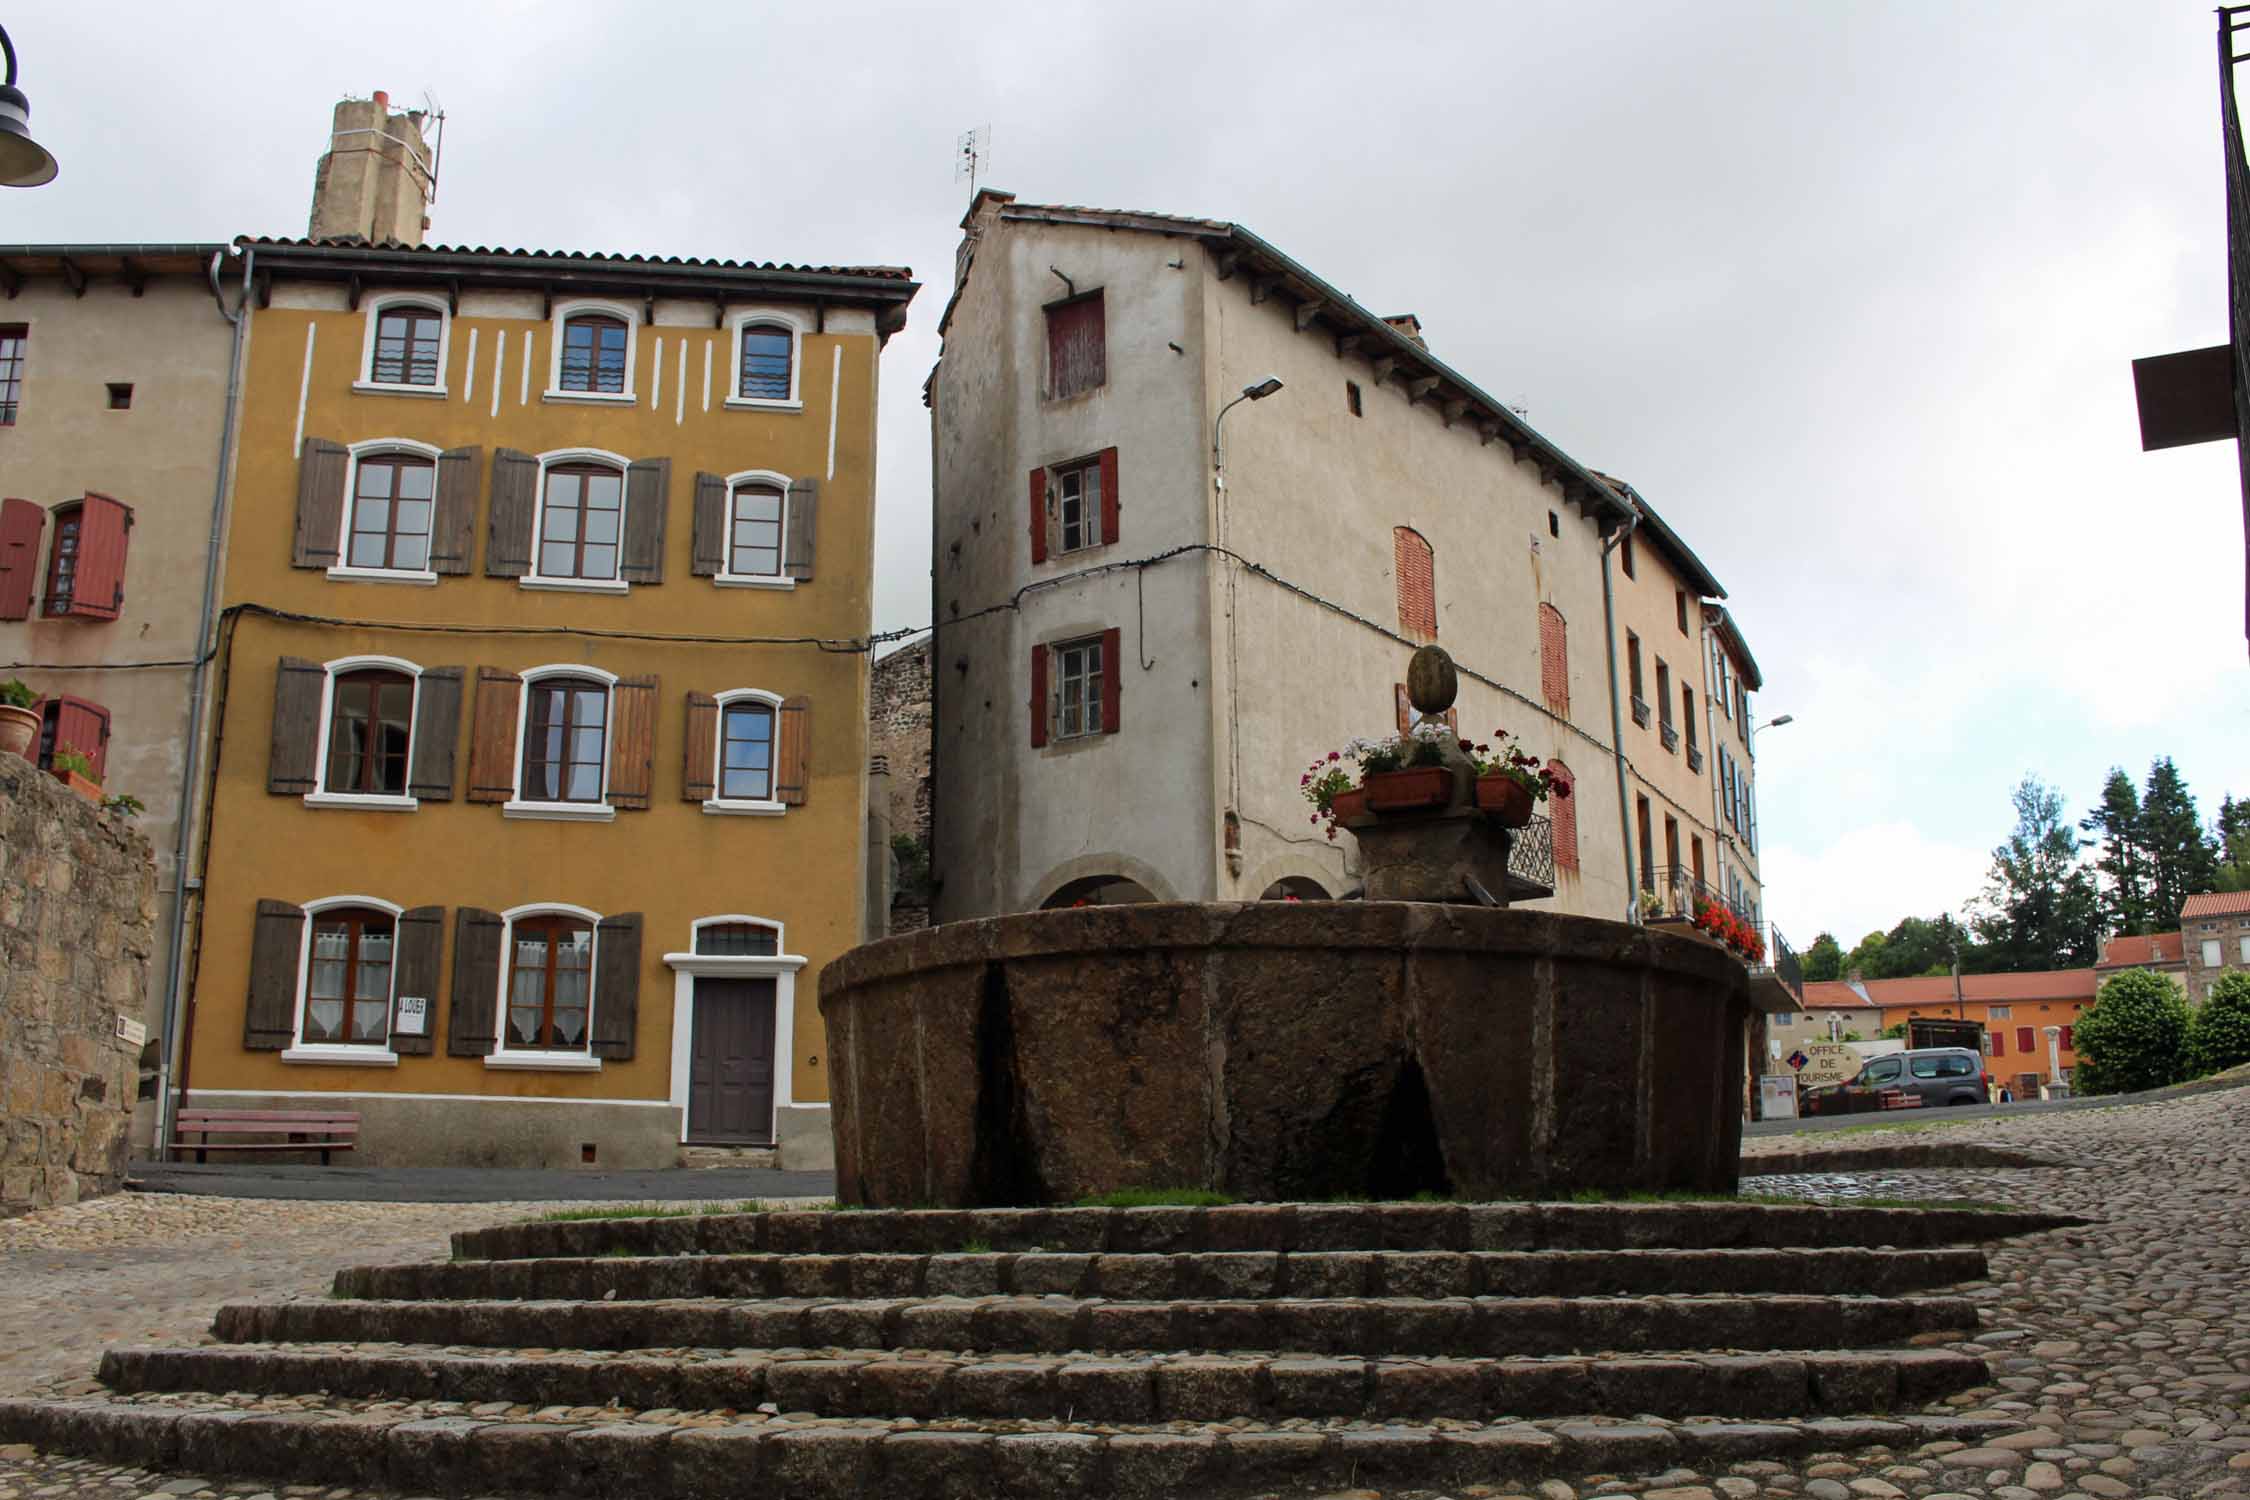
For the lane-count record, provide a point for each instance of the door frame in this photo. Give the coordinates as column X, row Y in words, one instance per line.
column 781, row 967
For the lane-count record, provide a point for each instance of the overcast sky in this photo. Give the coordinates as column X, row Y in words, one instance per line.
column 1849, row 292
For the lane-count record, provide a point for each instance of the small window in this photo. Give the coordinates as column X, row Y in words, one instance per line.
column 348, row 977
column 1077, row 356
column 1679, row 606
column 746, row 753
column 593, row 354
column 408, row 339
column 564, row 738
column 1687, row 716
column 1554, row 524
column 767, row 363
column 62, row 563
column 120, row 395
column 737, row 939
column 1078, row 506
column 391, row 502
column 754, row 535
column 1078, row 669
column 2246, row 950
column 550, row 982
column 370, row 724
column 1351, row 397
column 2211, row 953
column 1663, row 695
column 1633, row 673
column 579, row 520
column 15, row 342
column 1998, row 1013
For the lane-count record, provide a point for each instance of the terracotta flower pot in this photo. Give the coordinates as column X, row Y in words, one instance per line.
column 1505, row 798
column 19, row 729
column 90, row 790
column 1408, row 791
column 1345, row 806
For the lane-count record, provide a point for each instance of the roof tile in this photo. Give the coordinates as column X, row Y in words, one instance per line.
column 2217, row 904
column 887, row 273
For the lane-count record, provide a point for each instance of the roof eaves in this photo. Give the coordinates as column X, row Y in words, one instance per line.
column 889, row 282
column 1732, row 633
column 1675, row 551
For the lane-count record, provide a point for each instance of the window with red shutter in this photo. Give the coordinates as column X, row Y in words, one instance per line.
column 2024, row 1043
column 2066, row 1038
column 1077, row 357
column 86, row 567
column 21, row 525
column 71, row 723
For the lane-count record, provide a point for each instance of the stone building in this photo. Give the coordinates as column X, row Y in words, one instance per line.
column 2214, row 940
column 899, row 718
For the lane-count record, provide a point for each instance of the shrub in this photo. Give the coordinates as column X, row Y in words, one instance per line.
column 2134, row 1036
column 2218, row 1035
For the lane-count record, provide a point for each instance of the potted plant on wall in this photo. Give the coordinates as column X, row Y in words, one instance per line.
column 1509, row 782
column 75, row 771
column 19, row 721
column 1407, row 773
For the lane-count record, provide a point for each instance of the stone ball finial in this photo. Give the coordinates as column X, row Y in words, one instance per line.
column 1431, row 681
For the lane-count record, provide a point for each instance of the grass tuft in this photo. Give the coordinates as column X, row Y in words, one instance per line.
column 1157, row 1197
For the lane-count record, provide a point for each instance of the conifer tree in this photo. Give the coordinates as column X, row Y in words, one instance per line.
column 2181, row 858
column 2123, row 862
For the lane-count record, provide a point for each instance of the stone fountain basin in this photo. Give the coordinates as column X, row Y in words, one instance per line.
column 1278, row 1051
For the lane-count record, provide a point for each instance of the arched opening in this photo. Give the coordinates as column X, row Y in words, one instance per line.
column 1295, row 888
column 1098, row 890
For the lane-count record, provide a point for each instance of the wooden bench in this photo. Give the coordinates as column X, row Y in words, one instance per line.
column 337, row 1130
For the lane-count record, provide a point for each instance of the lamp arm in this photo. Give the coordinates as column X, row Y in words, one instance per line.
column 9, row 48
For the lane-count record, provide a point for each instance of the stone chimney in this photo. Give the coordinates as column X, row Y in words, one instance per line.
column 374, row 182
column 1410, row 327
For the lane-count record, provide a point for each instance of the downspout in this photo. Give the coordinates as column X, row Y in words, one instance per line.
column 1616, row 716
column 240, row 318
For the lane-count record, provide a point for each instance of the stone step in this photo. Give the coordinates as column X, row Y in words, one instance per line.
column 1237, row 1273
column 1259, row 1226
column 729, row 1158
column 1481, row 1326
column 1143, row 1389
column 704, row 1456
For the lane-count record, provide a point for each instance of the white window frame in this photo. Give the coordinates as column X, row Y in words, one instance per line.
column 773, row 317
column 343, row 571
column 597, row 811
column 2213, row 954
column 745, row 807
column 545, row 1059
column 781, row 966
column 2245, row 949
column 779, row 578
column 1089, row 707
column 1090, row 518
column 736, row 919
column 538, row 580
column 367, row 384
column 320, row 796
column 560, row 318
column 341, row 1054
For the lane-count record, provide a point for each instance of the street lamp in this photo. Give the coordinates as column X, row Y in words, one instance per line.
column 23, row 161
column 1257, row 391
column 1777, row 723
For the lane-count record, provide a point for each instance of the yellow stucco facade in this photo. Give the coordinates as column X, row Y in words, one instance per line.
column 677, row 861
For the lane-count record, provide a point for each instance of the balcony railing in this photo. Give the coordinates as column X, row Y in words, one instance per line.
column 1677, row 891
column 1531, row 857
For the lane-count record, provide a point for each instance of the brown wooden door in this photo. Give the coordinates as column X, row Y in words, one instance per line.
column 730, row 1062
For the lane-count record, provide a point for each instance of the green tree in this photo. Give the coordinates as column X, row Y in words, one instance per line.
column 2039, row 905
column 2182, row 859
column 1824, row 959
column 2233, row 833
column 2218, row 1035
column 2123, row 861
column 2133, row 1037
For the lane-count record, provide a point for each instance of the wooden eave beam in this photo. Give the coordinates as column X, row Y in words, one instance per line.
column 1454, row 410
column 10, row 280
column 1306, row 313
column 1487, row 430
column 1224, row 262
column 1261, row 287
column 1419, row 387
column 351, row 292
column 134, row 274
column 74, row 274
column 264, row 280
column 1384, row 364
column 1348, row 343
column 718, row 312
column 453, row 297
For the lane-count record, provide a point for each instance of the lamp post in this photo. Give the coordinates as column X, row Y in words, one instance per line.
column 1255, row 391
column 23, row 161
column 1776, row 723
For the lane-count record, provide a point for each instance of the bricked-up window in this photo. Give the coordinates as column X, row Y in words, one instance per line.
column 1077, row 354
column 564, row 733
column 391, row 501
column 593, row 353
column 550, row 982
column 348, row 977
column 1554, row 659
column 1564, row 813
column 407, row 340
column 370, row 725
column 1416, row 568
column 1079, row 669
column 15, row 346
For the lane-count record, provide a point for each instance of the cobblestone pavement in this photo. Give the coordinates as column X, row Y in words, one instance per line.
column 2124, row 1346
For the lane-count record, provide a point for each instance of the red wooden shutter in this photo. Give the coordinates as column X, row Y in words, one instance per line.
column 2066, row 1038
column 1076, row 357
column 1999, row 1043
column 1038, row 515
column 1404, row 707
column 83, row 726
column 2024, row 1042
column 99, row 590
column 1554, row 659
column 792, row 758
column 1038, row 696
column 1113, row 677
column 21, row 524
column 1109, row 494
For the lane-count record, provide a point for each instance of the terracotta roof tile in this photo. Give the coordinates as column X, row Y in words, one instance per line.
column 2148, row 948
column 886, row 273
column 2217, row 904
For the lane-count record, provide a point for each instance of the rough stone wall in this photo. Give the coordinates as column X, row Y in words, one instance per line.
column 899, row 717
column 77, row 927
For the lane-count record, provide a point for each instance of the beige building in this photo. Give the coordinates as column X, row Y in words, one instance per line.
column 1730, row 676
column 114, row 371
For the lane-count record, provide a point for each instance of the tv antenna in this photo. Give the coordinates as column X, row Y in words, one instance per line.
column 972, row 155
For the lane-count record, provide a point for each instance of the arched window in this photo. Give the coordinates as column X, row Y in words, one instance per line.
column 392, row 496
column 409, row 338
column 1563, row 811
column 594, row 357
column 348, row 977
column 1554, row 659
column 738, row 939
column 1416, row 568
column 565, row 738
column 581, row 514
column 754, row 524
column 768, row 363
column 746, row 752
column 370, row 728
column 550, row 981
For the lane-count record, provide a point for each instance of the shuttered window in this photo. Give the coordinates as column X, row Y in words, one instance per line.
column 86, row 564
column 593, row 354
column 564, row 733
column 550, row 982
column 22, row 524
column 348, row 977
column 1075, row 505
column 746, row 753
column 370, row 729
column 69, row 723
column 1077, row 359
column 407, row 340
column 580, row 520
column 1075, row 689
column 1078, row 507
column 754, row 526
column 1079, row 671
column 765, row 374
column 392, row 499
column 62, row 563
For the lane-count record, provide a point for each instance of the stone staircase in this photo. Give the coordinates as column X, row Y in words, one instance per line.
column 1253, row 1349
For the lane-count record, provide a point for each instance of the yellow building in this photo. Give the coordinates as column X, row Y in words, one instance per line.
column 540, row 789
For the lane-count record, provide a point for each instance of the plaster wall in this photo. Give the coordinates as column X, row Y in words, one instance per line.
column 1729, row 725
column 1647, row 606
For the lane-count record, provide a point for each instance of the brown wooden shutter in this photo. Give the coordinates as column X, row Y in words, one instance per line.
column 709, row 554
column 437, row 734
column 648, row 501
column 701, row 752
column 1109, row 494
column 492, row 736
column 21, row 525
column 269, row 1015
column 1403, row 705
column 515, row 499
column 632, row 742
column 1038, row 515
column 1113, row 681
column 105, row 526
column 321, row 467
column 472, row 1024
column 417, row 966
column 802, row 526
column 299, row 685
column 1039, row 707
column 617, row 985
column 1554, row 659
column 453, row 525
column 1076, row 357
column 82, row 725
column 792, row 761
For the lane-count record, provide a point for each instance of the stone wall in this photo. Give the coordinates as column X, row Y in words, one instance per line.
column 898, row 716
column 77, row 927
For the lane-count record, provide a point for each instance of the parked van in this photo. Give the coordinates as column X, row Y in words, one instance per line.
column 1940, row 1075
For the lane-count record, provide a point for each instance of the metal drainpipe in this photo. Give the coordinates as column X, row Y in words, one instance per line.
column 240, row 318
column 1617, row 719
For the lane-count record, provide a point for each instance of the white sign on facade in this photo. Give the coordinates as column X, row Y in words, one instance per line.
column 413, row 1015
column 131, row 1032
column 1777, row 1096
